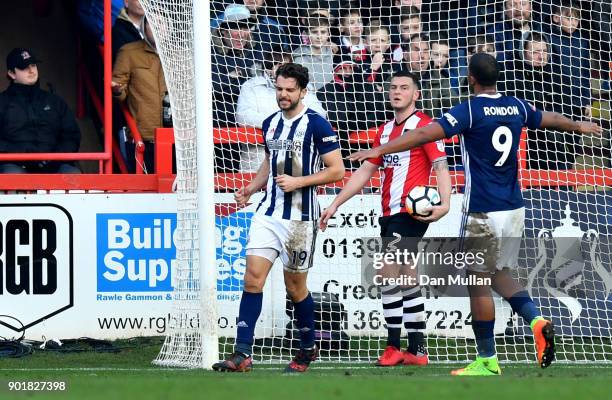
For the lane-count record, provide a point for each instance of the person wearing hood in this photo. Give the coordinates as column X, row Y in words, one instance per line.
column 33, row 120
column 257, row 101
column 126, row 28
column 138, row 79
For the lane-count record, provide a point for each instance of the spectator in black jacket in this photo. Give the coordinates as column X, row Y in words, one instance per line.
column 530, row 77
column 33, row 120
column 127, row 25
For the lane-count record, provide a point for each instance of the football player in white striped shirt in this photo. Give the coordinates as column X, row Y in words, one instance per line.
column 297, row 140
column 402, row 171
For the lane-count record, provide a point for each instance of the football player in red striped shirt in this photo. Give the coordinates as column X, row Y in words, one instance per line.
column 401, row 172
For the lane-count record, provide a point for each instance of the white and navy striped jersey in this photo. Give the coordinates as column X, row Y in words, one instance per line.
column 294, row 147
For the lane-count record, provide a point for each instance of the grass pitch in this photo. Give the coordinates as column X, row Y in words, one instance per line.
column 130, row 375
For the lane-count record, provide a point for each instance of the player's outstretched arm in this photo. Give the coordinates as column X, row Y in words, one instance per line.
column 243, row 194
column 333, row 172
column 415, row 138
column 354, row 185
column 552, row 120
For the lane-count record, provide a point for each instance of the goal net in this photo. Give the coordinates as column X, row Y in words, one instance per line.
column 555, row 56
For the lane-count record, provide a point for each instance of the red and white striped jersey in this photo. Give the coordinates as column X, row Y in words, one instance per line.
column 404, row 170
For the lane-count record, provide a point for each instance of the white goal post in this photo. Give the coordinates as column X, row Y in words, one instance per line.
column 218, row 59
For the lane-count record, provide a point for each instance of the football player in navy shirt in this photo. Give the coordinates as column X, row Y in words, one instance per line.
column 490, row 125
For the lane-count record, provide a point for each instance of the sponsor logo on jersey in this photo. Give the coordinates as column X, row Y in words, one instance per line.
column 392, row 160
column 451, row 120
column 332, row 139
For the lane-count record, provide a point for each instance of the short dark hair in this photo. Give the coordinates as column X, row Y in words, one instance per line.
column 534, row 36
column 438, row 38
column 404, row 73
column 409, row 13
column 317, row 22
column 276, row 56
column 475, row 42
column 484, row 68
column 566, row 8
column 296, row 71
column 346, row 14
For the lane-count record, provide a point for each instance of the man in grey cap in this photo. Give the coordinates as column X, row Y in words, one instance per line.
column 234, row 60
column 33, row 120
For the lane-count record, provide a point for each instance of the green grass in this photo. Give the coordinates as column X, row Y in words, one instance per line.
column 130, row 375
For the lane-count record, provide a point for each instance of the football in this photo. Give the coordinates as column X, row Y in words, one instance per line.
column 420, row 199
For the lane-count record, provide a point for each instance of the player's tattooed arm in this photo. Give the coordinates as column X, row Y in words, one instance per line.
column 440, row 166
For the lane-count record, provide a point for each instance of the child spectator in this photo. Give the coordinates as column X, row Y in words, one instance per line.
column 350, row 41
column 310, row 10
column 318, row 55
column 377, row 66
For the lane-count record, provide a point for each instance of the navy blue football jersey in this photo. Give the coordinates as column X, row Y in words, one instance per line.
column 490, row 127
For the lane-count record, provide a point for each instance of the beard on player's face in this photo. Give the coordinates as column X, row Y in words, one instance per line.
column 287, row 103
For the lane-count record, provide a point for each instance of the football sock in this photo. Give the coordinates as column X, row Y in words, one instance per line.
column 414, row 318
column 304, row 315
column 392, row 311
column 250, row 308
column 485, row 339
column 523, row 305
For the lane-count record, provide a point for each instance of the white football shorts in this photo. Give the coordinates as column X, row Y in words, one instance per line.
column 293, row 241
column 501, row 232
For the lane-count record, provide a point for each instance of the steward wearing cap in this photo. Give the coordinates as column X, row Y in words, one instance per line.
column 33, row 120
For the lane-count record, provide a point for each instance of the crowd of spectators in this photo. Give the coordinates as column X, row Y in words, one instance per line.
column 352, row 47
column 548, row 54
